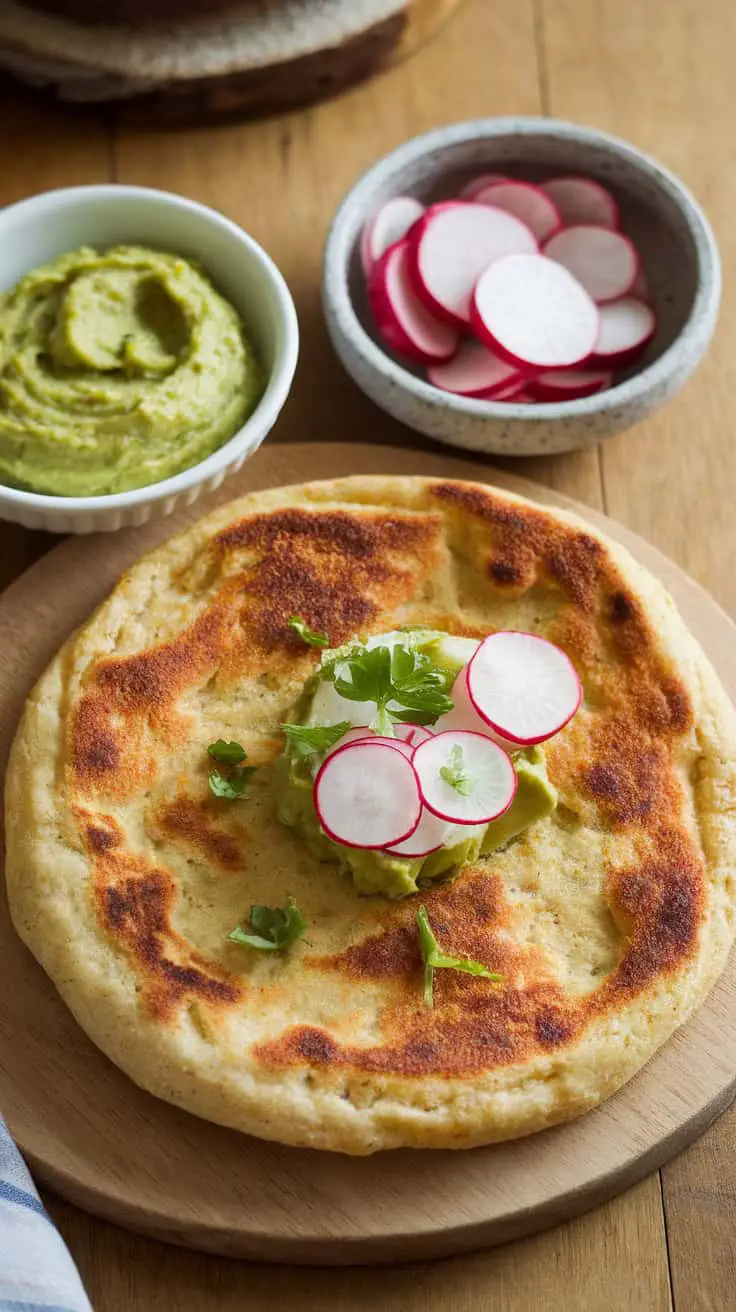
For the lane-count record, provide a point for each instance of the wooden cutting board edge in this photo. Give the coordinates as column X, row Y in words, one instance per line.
column 292, row 1233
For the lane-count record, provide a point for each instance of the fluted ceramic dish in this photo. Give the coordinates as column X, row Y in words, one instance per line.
column 679, row 257
column 35, row 231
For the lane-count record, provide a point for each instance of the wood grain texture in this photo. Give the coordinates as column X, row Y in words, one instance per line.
column 194, row 1183
column 588, row 1265
column 661, row 74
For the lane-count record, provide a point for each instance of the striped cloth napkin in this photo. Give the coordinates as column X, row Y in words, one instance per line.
column 36, row 1272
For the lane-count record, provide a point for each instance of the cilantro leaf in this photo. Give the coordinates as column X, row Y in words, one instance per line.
column 310, row 738
column 227, row 753
column 402, row 681
column 310, row 636
column 233, row 783
column 435, row 959
column 273, row 928
column 364, row 675
column 231, row 786
column 455, row 774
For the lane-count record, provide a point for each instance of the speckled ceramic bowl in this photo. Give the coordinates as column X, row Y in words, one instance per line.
column 679, row 256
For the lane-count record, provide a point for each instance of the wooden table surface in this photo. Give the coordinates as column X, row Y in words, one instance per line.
column 661, row 75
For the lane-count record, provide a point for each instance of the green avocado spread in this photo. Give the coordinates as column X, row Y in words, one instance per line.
column 117, row 369
column 376, row 872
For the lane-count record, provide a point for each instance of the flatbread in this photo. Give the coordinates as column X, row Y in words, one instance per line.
column 609, row 922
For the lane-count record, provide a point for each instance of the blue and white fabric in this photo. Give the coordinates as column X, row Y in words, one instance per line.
column 36, row 1272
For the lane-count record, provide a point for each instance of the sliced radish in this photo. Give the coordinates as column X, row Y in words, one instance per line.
column 569, row 384
column 523, row 687
column 515, row 392
column 490, row 779
column 404, row 743
column 388, row 225
column 451, row 246
column 526, row 202
column 471, row 189
column 581, row 200
column 532, row 311
column 627, row 326
column 411, row 734
column 605, row 263
column 367, row 795
column 475, row 371
column 429, row 836
column 368, row 736
column 515, row 397
column 402, row 320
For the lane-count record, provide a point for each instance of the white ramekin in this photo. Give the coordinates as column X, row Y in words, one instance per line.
column 39, row 229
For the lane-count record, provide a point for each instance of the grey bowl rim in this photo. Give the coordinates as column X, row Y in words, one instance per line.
column 698, row 326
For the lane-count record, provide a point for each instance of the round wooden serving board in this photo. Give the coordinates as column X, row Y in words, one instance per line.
column 253, row 57
column 109, row 1147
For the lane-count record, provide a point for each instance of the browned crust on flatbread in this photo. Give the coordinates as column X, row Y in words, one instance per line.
column 348, row 571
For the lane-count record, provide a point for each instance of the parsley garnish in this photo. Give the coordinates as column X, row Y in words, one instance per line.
column 233, row 784
column 273, row 928
column 310, row 738
column 455, row 774
column 310, row 636
column 402, row 681
column 227, row 753
column 435, row 959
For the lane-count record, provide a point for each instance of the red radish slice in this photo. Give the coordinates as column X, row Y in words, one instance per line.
column 405, row 324
column 397, row 743
column 367, row 795
column 526, row 202
column 491, row 779
column 515, row 391
column 605, row 263
column 518, row 398
column 476, row 372
column 412, row 734
column 627, row 326
column 364, row 734
column 534, row 313
column 524, row 687
column 388, row 225
column 569, row 384
column 471, row 189
column 429, row 836
column 451, row 246
column 581, row 200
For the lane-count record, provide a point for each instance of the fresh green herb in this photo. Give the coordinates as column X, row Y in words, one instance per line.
column 273, row 928
column 233, row 784
column 435, row 959
column 227, row 753
column 455, row 774
column 307, row 739
column 402, row 681
column 310, row 636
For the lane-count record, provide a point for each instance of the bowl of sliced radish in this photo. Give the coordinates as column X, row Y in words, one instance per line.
column 520, row 286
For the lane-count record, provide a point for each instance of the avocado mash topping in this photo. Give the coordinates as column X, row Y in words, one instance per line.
column 117, row 369
column 325, row 714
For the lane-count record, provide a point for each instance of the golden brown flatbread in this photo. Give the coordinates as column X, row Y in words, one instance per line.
column 609, row 921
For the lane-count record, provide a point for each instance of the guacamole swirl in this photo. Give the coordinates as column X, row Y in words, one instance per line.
column 380, row 872
column 118, row 369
